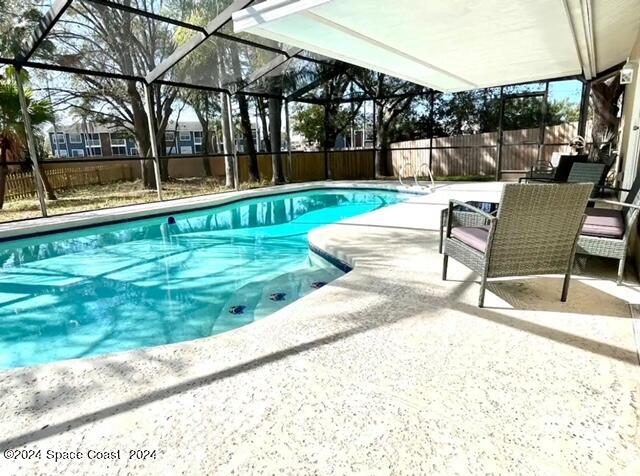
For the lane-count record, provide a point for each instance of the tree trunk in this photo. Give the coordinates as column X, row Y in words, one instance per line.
column 204, row 123
column 227, row 142
column 382, row 144
column 263, row 119
column 275, row 134
column 245, row 121
column 51, row 194
column 206, row 164
column 604, row 99
column 141, row 128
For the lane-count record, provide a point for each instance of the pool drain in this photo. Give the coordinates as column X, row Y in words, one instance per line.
column 318, row 284
column 237, row 309
column 171, row 221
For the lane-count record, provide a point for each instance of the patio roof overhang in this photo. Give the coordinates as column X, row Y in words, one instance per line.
column 456, row 45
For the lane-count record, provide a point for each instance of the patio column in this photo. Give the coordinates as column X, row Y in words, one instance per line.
column 543, row 119
column 288, row 126
column 500, row 135
column 153, row 137
column 234, row 148
column 374, row 131
column 31, row 142
column 584, row 108
column 327, row 164
column 431, row 128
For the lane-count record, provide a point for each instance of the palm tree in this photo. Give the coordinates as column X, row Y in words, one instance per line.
column 13, row 138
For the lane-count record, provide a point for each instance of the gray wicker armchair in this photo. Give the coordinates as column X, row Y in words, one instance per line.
column 535, row 232
column 589, row 172
column 606, row 231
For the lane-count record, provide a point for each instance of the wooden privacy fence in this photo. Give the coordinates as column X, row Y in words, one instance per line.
column 473, row 154
column 477, row 154
column 309, row 166
column 20, row 185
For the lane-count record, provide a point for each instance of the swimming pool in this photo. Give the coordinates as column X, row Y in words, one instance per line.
column 155, row 281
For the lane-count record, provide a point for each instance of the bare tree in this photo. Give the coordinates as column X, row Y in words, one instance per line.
column 99, row 38
column 392, row 98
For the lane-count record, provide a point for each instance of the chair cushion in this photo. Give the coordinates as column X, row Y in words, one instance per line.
column 603, row 222
column 475, row 237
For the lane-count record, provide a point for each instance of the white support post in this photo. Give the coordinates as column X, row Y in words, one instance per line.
column 31, row 142
column 288, row 125
column 234, row 148
column 153, row 139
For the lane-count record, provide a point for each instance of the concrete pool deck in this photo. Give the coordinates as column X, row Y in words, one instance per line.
column 385, row 370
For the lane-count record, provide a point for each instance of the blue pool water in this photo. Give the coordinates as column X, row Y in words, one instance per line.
column 147, row 282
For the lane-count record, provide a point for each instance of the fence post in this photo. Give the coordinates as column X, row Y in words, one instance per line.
column 31, row 142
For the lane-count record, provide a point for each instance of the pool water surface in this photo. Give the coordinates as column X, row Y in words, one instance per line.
column 151, row 282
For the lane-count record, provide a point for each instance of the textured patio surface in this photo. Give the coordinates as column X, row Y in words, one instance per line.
column 387, row 370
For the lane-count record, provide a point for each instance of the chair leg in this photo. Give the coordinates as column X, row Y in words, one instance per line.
column 565, row 287
column 621, row 264
column 483, row 285
column 445, row 262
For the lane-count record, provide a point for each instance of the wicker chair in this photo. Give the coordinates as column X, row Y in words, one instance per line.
column 530, row 235
column 589, row 172
column 606, row 231
column 558, row 174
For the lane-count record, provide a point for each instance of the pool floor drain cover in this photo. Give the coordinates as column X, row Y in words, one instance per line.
column 277, row 296
column 237, row 309
column 318, row 284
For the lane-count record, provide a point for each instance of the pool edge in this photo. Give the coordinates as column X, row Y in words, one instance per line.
column 109, row 216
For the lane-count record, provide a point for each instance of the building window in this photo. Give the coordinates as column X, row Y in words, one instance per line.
column 184, row 136
column 60, row 139
column 118, row 139
column 134, row 151
column 118, row 143
column 197, row 138
column 93, row 140
column 169, row 137
column 186, row 149
column 198, row 148
column 75, row 138
column 77, row 152
column 62, row 153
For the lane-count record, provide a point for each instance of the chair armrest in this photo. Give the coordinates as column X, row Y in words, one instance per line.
column 614, row 202
column 616, row 189
column 453, row 201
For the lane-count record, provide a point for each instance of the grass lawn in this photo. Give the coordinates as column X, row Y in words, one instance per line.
column 92, row 197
